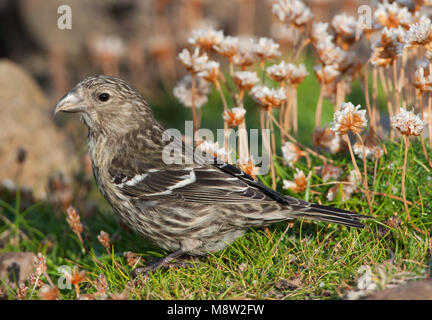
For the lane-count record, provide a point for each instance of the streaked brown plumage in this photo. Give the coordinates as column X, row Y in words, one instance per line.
column 188, row 209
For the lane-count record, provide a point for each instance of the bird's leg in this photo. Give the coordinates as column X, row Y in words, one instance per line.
column 157, row 264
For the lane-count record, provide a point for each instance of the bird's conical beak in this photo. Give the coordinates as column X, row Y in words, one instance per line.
column 71, row 102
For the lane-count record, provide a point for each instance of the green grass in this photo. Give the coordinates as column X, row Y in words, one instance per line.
column 309, row 261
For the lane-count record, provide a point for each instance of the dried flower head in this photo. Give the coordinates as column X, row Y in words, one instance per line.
column 212, row 149
column 371, row 146
column 296, row 74
column 278, row 72
column 228, row 47
column 104, row 239
column 74, row 221
column 268, row 97
column 266, row 49
column 320, row 34
column 210, row 71
column 107, row 47
column 234, row 117
column 292, row 12
column 35, row 281
column 285, row 34
column 194, row 62
column 291, row 153
column 346, row 189
column 248, row 167
column 419, row 34
column 391, row 15
column 245, row 55
column 407, row 123
column 347, row 30
column 330, row 171
column 388, row 48
column 326, row 138
column 349, row 118
column 330, row 54
column 245, row 80
column 76, row 277
column 299, row 184
column 183, row 91
column 22, row 292
column 39, row 263
column 334, row 191
column 101, row 285
column 49, row 293
column 206, row 38
column 327, row 74
column 421, row 82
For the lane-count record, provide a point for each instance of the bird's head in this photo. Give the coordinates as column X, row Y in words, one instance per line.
column 106, row 105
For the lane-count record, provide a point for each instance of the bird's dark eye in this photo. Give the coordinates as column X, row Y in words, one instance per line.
column 104, row 97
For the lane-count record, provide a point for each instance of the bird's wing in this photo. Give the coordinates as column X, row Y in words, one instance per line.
column 202, row 184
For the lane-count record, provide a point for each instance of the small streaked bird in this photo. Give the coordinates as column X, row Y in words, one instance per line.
column 187, row 209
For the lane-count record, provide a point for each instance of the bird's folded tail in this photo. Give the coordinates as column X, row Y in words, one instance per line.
column 332, row 215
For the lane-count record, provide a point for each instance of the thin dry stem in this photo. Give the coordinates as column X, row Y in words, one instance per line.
column 318, row 109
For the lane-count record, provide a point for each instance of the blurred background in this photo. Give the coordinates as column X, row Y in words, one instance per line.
column 135, row 40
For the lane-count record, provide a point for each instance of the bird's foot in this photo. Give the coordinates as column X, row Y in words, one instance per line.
column 166, row 262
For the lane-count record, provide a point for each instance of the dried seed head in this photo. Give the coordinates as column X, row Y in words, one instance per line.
column 285, row 34
column 228, row 47
column 213, row 150
column 107, row 47
column 74, row 221
column 49, row 293
column 296, row 74
column 278, row 72
column 421, row 82
column 76, row 277
column 244, row 56
column 35, row 281
column 291, row 153
column 39, row 263
column 347, row 30
column 248, row 167
column 206, row 38
column 22, row 292
column 234, row 117
column 349, row 118
column 330, row 171
column 292, row 12
column 211, row 71
column 326, row 138
column 268, row 97
column 392, row 15
column 372, row 148
column 183, row 91
column 194, row 62
column 104, row 239
column 101, row 285
column 327, row 74
column 245, row 80
column 407, row 123
column 320, row 33
column 334, row 191
column 388, row 48
column 299, row 184
column 266, row 49
column 419, row 34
